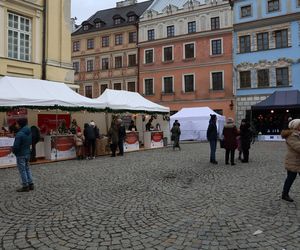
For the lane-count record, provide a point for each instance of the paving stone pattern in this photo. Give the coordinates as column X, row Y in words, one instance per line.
column 155, row 199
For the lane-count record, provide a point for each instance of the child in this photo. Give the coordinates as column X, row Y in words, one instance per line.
column 79, row 143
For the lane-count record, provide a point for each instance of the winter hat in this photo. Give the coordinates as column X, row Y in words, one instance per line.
column 93, row 124
column 294, row 124
column 230, row 120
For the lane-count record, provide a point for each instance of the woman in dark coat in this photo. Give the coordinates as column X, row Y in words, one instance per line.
column 212, row 136
column 246, row 138
column 230, row 133
column 176, row 135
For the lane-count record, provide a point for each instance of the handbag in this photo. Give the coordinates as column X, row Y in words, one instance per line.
column 222, row 144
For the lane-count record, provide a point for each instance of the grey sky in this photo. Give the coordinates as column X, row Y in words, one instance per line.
column 83, row 9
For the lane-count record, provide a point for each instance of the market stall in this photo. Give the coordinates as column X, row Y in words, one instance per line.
column 20, row 95
column 132, row 106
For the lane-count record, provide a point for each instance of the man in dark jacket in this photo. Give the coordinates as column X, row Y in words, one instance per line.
column 122, row 134
column 212, row 136
column 35, row 133
column 90, row 137
column 21, row 149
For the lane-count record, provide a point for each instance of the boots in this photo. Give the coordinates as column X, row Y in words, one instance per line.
column 286, row 197
column 23, row 189
column 31, row 186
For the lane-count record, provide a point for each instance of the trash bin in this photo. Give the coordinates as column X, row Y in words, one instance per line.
column 165, row 139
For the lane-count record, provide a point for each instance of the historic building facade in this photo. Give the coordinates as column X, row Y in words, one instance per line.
column 105, row 53
column 186, row 54
column 36, row 39
column 266, row 50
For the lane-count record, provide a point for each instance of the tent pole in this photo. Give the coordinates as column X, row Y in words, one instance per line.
column 56, row 134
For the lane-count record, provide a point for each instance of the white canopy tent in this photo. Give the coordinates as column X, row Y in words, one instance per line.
column 25, row 92
column 121, row 100
column 194, row 122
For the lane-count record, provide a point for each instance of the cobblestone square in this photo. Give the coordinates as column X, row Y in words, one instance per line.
column 155, row 199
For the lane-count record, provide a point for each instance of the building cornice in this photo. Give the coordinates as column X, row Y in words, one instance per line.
column 186, row 37
column 267, row 21
column 23, row 3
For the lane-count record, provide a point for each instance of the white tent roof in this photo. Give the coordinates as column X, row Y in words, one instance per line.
column 131, row 101
column 198, row 113
column 34, row 92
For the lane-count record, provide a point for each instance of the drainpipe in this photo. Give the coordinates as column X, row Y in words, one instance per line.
column 138, row 58
column 44, row 42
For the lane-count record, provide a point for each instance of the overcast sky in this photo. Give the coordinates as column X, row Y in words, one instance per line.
column 83, row 9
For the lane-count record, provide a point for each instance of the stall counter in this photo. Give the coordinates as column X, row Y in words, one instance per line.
column 58, row 147
column 153, row 139
column 131, row 141
column 7, row 158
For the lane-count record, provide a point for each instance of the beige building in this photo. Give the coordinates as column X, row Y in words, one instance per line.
column 105, row 53
column 36, row 39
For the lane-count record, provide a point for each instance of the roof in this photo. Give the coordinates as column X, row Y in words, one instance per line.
column 26, row 92
column 197, row 112
column 106, row 17
column 160, row 5
column 280, row 99
column 121, row 100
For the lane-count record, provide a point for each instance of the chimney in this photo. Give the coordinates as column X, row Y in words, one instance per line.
column 126, row 3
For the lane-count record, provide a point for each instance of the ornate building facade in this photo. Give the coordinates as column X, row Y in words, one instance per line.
column 105, row 53
column 36, row 39
column 186, row 54
column 266, row 50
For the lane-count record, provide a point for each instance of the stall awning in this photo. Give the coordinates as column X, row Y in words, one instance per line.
column 280, row 100
column 126, row 101
column 35, row 93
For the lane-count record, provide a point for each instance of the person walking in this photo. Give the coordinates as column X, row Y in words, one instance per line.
column 246, row 138
column 21, row 149
column 292, row 158
column 113, row 135
column 122, row 134
column 212, row 136
column 230, row 133
column 90, row 138
column 175, row 135
column 79, row 144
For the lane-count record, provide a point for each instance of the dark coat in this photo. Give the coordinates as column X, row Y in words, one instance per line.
column 122, row 133
column 22, row 142
column 89, row 133
column 212, row 132
column 113, row 134
column 35, row 133
column 246, row 136
column 230, row 133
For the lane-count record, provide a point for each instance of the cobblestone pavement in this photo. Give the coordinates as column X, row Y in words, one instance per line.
column 155, row 199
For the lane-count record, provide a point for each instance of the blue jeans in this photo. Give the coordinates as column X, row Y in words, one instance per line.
column 25, row 173
column 213, row 147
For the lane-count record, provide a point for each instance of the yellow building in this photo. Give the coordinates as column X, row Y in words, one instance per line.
column 35, row 39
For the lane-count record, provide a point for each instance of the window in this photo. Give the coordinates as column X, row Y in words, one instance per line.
column 281, row 38
column 76, row 46
column 189, row 83
column 216, row 47
column 88, row 90
column 263, row 78
column 282, row 76
column 131, row 86
column 189, row 50
column 192, row 27
column 131, row 60
column 90, row 44
column 168, row 53
column 105, row 63
column 215, row 23
column 132, row 37
column 118, row 62
column 103, row 87
column 131, row 19
column 85, row 27
column 263, row 41
column 149, row 87
column 245, row 79
column 245, row 45
column 149, row 56
column 76, row 67
column 89, row 65
column 118, row 39
column 168, row 85
column 246, row 11
column 98, row 25
column 105, row 41
column 217, row 81
column 117, row 21
column 151, row 35
column 273, row 5
column 170, row 31
column 118, row 86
